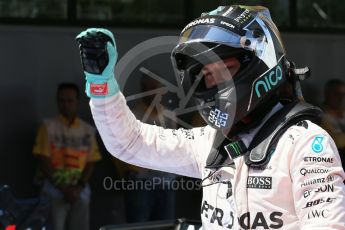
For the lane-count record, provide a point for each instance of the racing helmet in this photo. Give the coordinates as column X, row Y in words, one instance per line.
column 246, row 33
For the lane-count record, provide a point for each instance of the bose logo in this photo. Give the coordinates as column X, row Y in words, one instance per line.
column 269, row 81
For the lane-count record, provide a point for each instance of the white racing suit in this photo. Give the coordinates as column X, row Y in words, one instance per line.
column 300, row 188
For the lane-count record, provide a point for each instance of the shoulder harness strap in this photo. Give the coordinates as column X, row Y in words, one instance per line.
column 218, row 156
column 266, row 140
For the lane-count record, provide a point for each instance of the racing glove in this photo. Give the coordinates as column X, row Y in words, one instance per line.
column 98, row 56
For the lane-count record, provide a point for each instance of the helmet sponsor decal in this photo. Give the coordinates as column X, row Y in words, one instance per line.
column 243, row 17
column 198, row 22
column 268, row 81
column 218, row 118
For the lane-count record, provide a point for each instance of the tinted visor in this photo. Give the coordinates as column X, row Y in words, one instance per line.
column 208, row 33
column 205, row 44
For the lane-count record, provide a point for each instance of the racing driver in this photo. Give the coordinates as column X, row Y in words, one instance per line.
column 264, row 162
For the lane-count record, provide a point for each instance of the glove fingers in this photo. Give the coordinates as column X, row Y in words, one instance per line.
column 97, row 51
column 96, row 40
column 94, row 54
column 94, row 60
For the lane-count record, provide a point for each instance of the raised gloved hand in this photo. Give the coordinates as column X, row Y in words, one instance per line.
column 98, row 55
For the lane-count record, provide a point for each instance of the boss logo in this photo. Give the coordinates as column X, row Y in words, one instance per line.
column 270, row 80
column 259, row 182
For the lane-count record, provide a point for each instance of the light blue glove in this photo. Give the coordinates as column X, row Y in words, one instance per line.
column 98, row 55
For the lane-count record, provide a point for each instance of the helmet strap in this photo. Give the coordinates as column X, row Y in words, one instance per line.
column 297, row 75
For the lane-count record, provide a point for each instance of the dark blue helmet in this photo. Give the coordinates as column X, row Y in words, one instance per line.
column 247, row 33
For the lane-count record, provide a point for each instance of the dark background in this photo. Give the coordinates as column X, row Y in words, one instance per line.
column 38, row 50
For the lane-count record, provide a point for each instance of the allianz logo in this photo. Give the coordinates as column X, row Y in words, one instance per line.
column 268, row 81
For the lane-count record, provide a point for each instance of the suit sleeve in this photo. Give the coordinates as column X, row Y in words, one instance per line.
column 317, row 176
column 176, row 151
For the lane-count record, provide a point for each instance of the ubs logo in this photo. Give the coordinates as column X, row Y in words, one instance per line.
column 268, row 81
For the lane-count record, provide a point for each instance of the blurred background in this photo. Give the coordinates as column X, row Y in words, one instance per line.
column 38, row 51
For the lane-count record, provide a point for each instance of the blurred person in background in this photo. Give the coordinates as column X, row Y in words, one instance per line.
column 66, row 150
column 333, row 119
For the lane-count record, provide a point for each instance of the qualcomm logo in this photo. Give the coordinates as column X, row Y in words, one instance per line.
column 269, row 81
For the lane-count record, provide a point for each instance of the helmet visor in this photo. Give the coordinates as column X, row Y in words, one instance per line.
column 208, row 33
